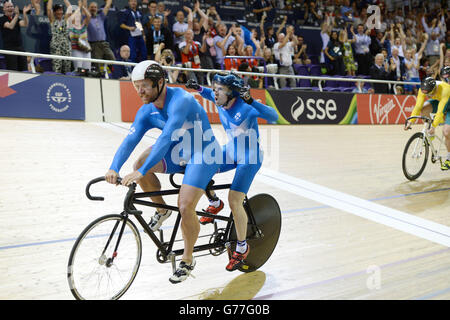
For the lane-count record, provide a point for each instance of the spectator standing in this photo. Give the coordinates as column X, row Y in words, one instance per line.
column 132, row 22
column 180, row 27
column 221, row 42
column 123, row 72
column 397, row 60
column 432, row 48
column 190, row 55
column 97, row 34
column 300, row 56
column 261, row 7
column 313, row 17
column 362, row 53
column 156, row 35
column 60, row 43
column 397, row 42
column 412, row 70
column 11, row 35
column 381, row 70
column 349, row 60
column 79, row 37
column 377, row 43
column 162, row 12
column 203, row 33
column 39, row 29
column 325, row 31
column 149, row 14
column 283, row 51
column 335, row 52
column 268, row 35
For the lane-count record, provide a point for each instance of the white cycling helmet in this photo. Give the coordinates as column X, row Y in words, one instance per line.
column 143, row 71
column 152, row 70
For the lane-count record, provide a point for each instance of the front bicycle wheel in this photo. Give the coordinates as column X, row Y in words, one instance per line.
column 415, row 156
column 105, row 259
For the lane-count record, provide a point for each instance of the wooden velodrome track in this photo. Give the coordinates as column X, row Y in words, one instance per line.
column 353, row 227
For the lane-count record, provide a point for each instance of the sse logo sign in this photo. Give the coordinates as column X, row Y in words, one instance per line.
column 316, row 109
column 312, row 107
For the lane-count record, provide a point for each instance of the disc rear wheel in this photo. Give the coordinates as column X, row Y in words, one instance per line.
column 267, row 214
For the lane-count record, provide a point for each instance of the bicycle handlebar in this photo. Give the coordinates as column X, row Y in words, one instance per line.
column 426, row 119
column 131, row 190
column 90, row 183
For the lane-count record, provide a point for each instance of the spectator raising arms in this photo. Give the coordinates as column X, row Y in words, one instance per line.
column 60, row 43
column 190, row 55
column 180, row 27
column 100, row 47
column 221, row 42
column 81, row 48
column 362, row 53
column 12, row 38
column 283, row 51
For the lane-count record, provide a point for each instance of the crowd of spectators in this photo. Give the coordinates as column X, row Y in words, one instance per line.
column 401, row 40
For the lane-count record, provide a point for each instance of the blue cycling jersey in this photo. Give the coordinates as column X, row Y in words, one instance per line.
column 183, row 122
column 242, row 150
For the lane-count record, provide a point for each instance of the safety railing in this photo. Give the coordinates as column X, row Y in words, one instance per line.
column 320, row 79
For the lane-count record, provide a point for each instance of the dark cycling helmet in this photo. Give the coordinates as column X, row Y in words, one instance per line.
column 152, row 70
column 428, row 85
column 445, row 73
column 232, row 81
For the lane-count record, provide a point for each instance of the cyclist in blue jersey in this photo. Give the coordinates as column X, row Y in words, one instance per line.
column 181, row 146
column 238, row 113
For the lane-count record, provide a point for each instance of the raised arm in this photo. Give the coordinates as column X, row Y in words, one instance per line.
column 204, row 17
column 85, row 12
column 50, row 15
column 11, row 25
column 68, row 10
column 259, row 110
column 422, row 47
column 190, row 16
column 261, row 25
column 441, row 55
column 24, row 21
column 281, row 26
column 107, row 7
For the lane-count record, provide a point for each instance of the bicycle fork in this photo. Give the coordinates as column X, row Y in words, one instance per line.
column 108, row 262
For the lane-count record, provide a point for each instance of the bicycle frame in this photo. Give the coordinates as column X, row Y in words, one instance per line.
column 165, row 249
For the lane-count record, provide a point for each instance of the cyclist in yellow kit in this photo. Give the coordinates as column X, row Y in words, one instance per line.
column 436, row 94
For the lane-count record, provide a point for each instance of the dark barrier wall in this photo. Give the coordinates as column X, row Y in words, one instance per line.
column 311, row 107
column 41, row 96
